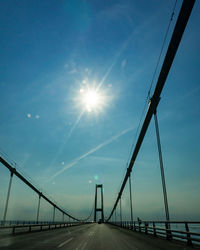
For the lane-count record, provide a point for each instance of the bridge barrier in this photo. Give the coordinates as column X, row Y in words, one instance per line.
column 187, row 231
column 24, row 222
column 30, row 226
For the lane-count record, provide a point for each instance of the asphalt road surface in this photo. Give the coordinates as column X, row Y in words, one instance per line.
column 86, row 237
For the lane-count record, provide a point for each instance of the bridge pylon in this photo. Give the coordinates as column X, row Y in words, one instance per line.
column 95, row 205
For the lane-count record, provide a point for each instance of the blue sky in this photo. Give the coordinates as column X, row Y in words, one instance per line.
column 51, row 52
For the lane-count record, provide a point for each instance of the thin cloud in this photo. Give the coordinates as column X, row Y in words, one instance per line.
column 67, row 138
column 114, row 12
column 72, row 71
column 123, row 64
column 124, row 46
column 101, row 158
column 75, row 124
column 75, row 161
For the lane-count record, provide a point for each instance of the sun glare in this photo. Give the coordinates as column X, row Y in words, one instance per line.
column 91, row 98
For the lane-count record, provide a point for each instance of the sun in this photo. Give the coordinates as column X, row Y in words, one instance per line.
column 91, row 99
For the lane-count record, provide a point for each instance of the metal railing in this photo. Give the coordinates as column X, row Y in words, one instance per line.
column 25, row 222
column 30, row 226
column 187, row 231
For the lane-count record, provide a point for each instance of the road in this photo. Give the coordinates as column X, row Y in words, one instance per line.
column 87, row 237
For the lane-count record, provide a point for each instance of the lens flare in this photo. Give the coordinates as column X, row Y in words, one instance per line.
column 91, row 100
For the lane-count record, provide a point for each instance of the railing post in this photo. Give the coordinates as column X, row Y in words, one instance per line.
column 146, row 227
column 168, row 231
column 154, row 229
column 189, row 241
column 139, row 223
column 134, row 226
column 8, row 196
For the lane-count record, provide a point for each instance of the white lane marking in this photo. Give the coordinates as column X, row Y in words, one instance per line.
column 84, row 245
column 91, row 234
column 65, row 242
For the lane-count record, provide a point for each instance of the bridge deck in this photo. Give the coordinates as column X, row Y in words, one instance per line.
column 86, row 237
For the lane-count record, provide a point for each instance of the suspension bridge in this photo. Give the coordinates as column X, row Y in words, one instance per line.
column 106, row 231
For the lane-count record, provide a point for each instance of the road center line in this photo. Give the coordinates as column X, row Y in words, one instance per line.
column 84, row 245
column 65, row 242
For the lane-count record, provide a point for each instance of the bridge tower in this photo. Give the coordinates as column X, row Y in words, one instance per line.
column 95, row 205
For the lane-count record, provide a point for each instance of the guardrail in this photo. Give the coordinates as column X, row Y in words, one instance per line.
column 25, row 222
column 38, row 226
column 179, row 230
